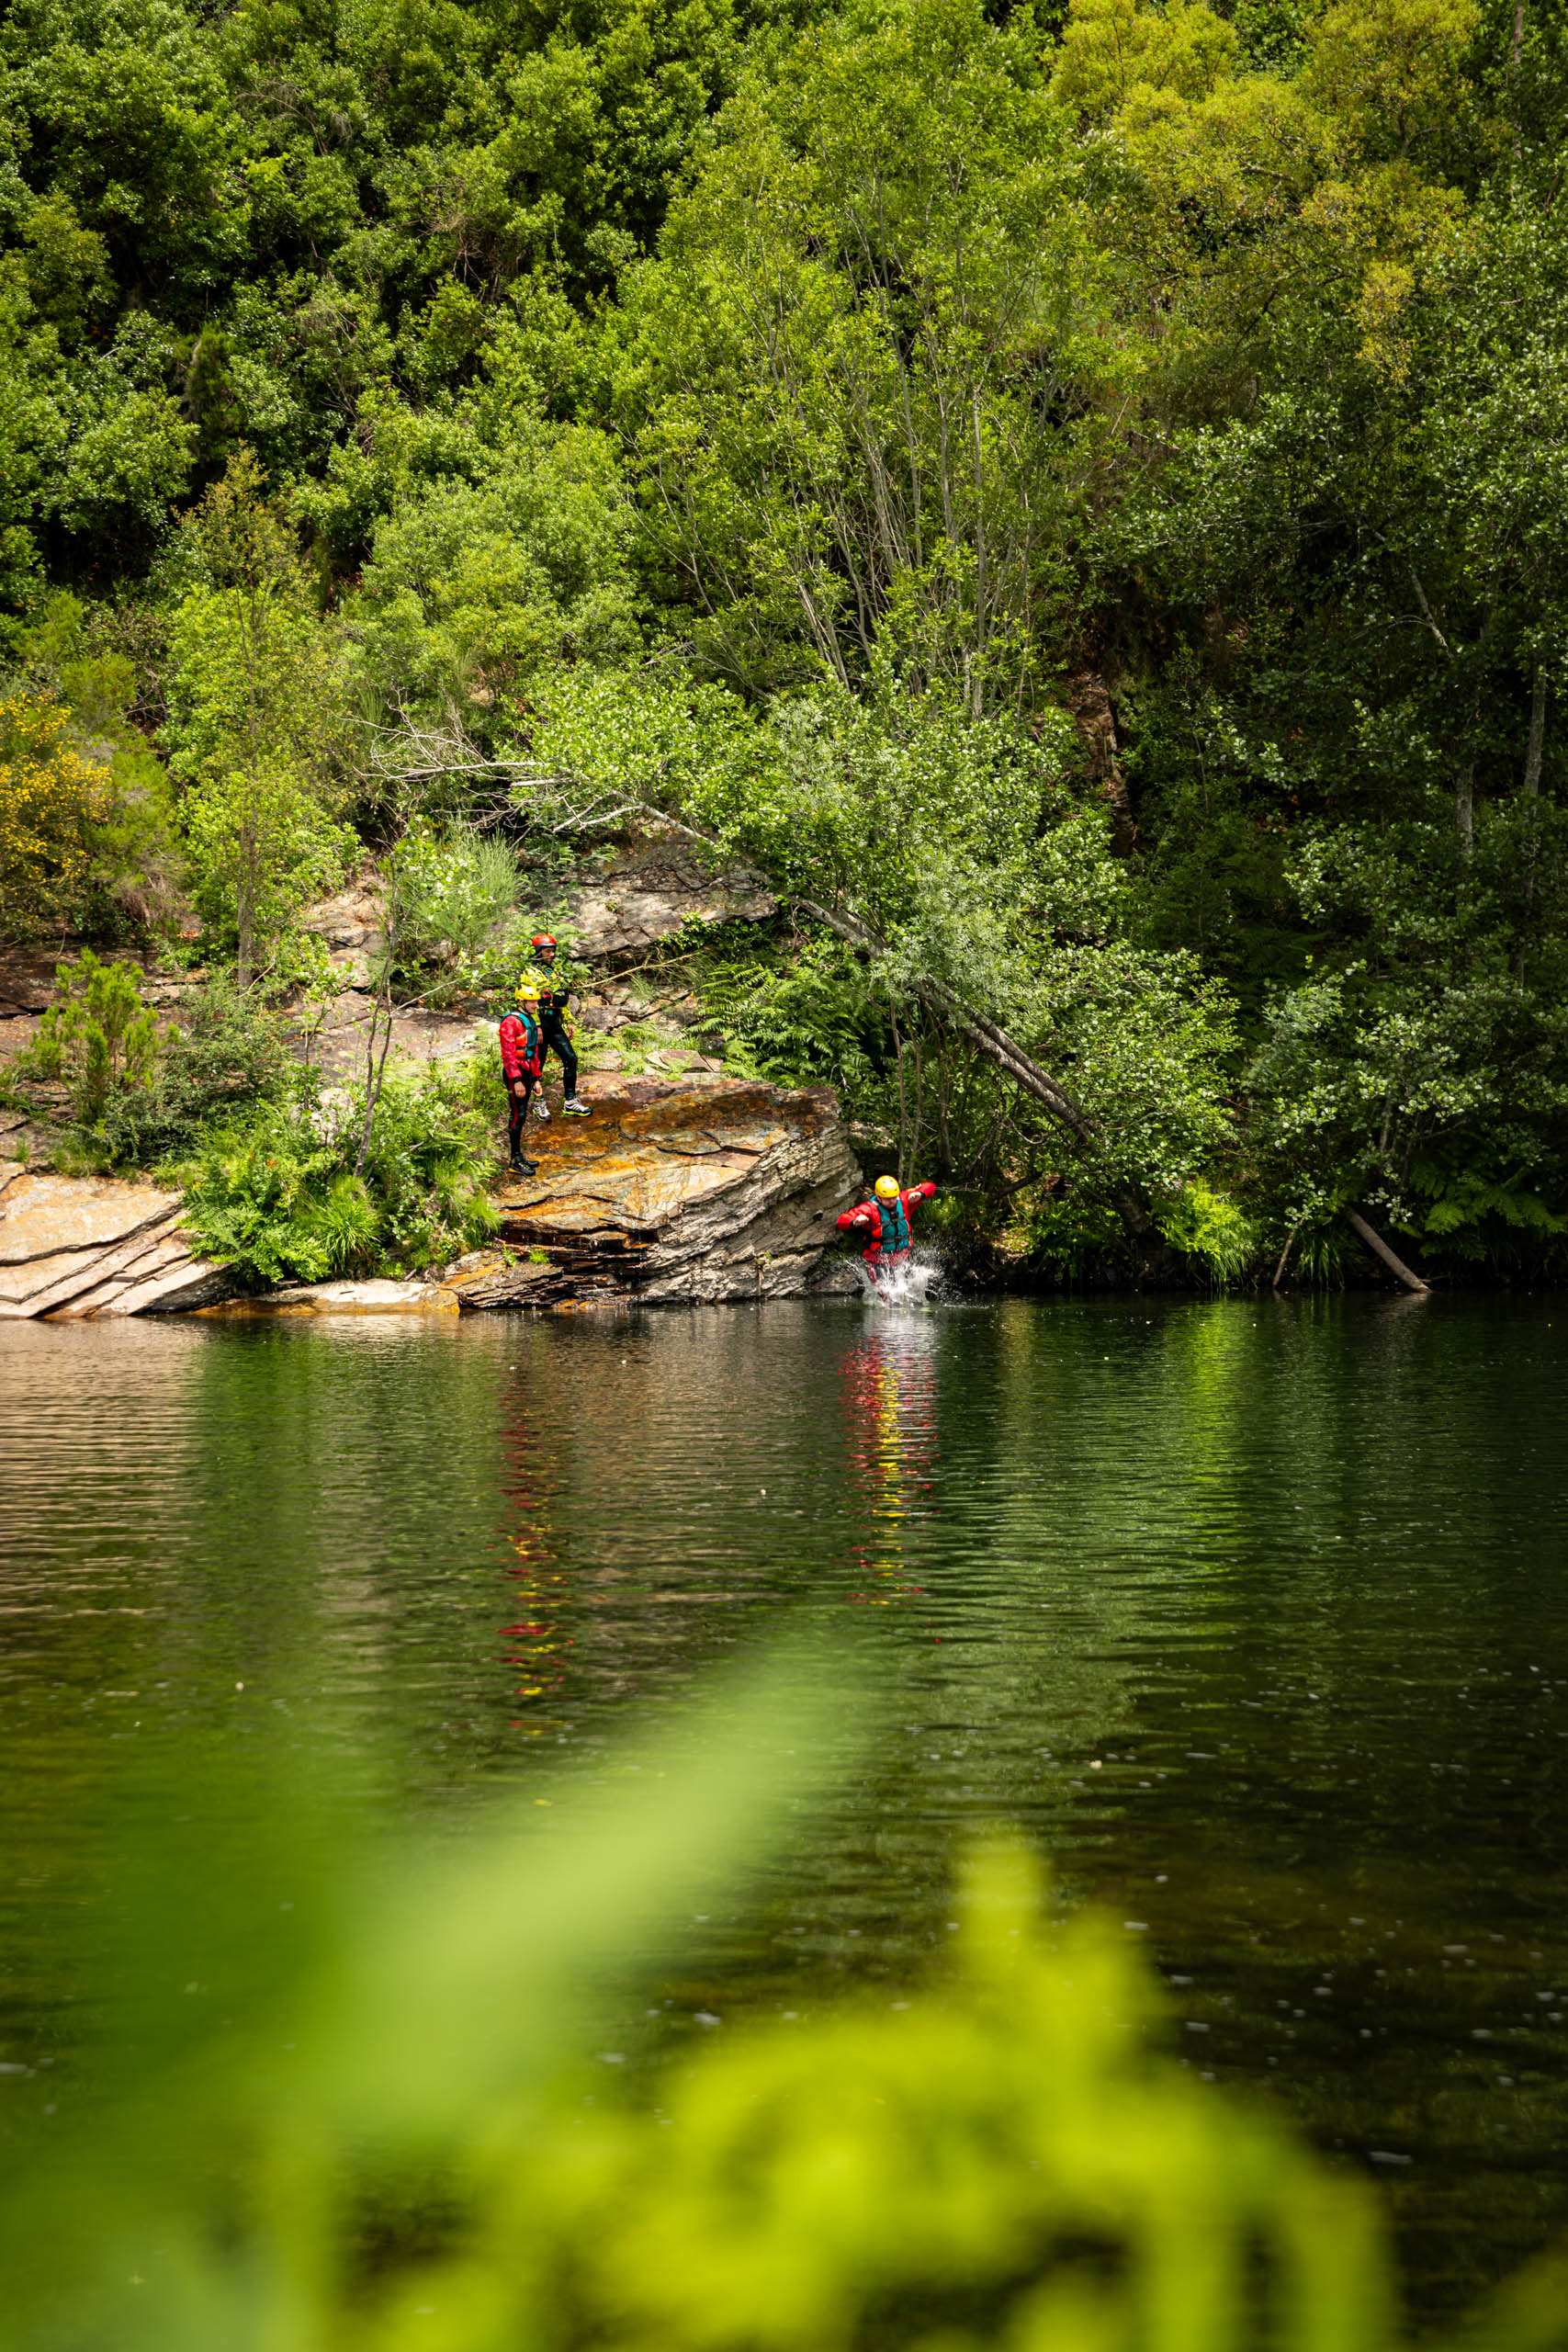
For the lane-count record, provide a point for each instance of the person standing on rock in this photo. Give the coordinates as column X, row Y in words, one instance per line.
column 555, row 1023
column 522, row 1062
column 883, row 1221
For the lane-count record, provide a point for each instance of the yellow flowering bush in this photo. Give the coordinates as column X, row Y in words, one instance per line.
column 51, row 799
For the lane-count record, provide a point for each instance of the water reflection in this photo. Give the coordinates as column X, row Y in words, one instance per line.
column 539, row 1639
column 1252, row 1612
column 889, row 1379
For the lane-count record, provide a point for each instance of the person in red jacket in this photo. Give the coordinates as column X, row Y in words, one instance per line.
column 520, row 1043
column 884, row 1222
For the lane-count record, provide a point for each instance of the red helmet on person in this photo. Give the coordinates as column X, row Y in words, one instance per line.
column 544, row 939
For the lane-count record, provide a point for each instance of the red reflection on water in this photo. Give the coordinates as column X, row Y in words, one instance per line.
column 537, row 1642
column 889, row 1386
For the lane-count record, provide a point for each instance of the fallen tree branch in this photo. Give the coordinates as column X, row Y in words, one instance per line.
column 1279, row 1269
column 993, row 1043
column 988, row 1040
column 1380, row 1248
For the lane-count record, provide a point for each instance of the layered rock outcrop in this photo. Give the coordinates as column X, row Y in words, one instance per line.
column 74, row 1247
column 652, row 887
column 700, row 1188
column 696, row 1188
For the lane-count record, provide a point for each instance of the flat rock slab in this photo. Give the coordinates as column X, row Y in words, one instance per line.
column 650, row 1149
column 74, row 1248
column 345, row 1298
column 60, row 1234
column 701, row 1187
column 42, row 1215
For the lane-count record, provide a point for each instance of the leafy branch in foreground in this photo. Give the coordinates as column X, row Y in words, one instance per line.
column 396, row 2140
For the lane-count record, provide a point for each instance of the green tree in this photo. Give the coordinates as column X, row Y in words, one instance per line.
column 259, row 721
column 99, row 1036
column 861, row 349
column 953, row 857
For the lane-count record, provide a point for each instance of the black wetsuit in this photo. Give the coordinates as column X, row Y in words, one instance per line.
column 554, row 997
column 520, row 1062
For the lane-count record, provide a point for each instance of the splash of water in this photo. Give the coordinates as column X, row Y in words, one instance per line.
column 904, row 1285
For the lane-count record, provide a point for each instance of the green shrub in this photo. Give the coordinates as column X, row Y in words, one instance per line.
column 432, row 1152
column 453, row 894
column 1071, row 1235
column 129, row 885
column 53, row 800
column 277, row 1205
column 1208, row 1227
column 227, row 1056
column 99, row 1037
column 280, row 1195
column 800, row 1018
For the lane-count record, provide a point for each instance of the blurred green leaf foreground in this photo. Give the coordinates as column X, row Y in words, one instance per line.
column 394, row 2139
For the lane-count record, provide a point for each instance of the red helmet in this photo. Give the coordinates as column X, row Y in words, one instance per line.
column 544, row 939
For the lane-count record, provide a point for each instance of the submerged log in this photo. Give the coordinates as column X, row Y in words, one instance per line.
column 1380, row 1248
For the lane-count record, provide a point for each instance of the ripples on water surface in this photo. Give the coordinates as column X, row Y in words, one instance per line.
column 1252, row 1613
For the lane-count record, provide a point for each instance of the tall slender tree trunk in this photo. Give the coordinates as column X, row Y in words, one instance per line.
column 245, row 893
column 1464, row 802
column 250, row 829
column 903, row 1113
column 1535, row 752
column 1535, row 747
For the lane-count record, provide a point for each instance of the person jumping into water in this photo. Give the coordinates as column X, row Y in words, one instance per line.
column 885, row 1222
column 555, row 1024
column 522, row 1062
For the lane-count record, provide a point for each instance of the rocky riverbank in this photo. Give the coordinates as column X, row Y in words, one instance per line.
column 690, row 1188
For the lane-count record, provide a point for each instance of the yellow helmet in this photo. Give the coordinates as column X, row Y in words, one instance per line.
column 888, row 1188
column 526, row 993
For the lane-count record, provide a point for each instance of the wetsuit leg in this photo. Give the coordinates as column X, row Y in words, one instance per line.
column 560, row 1044
column 517, row 1111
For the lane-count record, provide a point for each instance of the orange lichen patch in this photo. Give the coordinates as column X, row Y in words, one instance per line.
column 646, row 1152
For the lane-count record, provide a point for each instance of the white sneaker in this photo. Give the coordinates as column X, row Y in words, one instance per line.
column 577, row 1110
column 541, row 1113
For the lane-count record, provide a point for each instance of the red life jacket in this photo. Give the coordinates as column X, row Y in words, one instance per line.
column 886, row 1223
column 519, row 1047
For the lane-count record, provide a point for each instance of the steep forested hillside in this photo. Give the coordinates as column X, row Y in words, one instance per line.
column 1080, row 498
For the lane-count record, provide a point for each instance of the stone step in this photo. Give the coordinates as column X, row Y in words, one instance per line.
column 380, row 1297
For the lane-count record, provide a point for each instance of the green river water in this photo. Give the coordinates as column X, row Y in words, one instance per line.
column 1254, row 1615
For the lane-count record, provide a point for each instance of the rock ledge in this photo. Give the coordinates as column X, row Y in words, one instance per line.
column 697, row 1188
column 72, row 1248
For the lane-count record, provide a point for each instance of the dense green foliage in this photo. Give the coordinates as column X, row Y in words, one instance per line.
column 290, row 1193
column 1080, row 498
column 284, row 1180
column 381, row 2125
